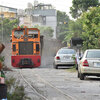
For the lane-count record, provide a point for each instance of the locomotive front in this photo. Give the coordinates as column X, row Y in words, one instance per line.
column 25, row 47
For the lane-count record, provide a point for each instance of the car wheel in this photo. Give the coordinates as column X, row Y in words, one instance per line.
column 76, row 66
column 55, row 66
column 81, row 76
column 78, row 74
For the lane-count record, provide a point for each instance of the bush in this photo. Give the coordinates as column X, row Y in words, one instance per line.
column 15, row 90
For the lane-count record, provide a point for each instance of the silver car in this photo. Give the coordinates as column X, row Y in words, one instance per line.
column 64, row 57
column 89, row 64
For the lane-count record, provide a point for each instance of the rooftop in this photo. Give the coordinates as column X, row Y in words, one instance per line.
column 8, row 7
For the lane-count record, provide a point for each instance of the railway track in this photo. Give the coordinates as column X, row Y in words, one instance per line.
column 34, row 89
column 67, row 96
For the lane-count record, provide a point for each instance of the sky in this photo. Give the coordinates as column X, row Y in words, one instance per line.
column 62, row 5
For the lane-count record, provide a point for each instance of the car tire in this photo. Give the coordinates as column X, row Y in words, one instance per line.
column 82, row 76
column 76, row 66
column 56, row 67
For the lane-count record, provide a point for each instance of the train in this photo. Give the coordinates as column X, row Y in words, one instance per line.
column 26, row 47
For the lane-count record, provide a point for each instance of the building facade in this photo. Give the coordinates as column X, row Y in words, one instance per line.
column 40, row 14
column 8, row 12
column 46, row 15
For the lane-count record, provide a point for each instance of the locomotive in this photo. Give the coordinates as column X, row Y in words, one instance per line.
column 26, row 50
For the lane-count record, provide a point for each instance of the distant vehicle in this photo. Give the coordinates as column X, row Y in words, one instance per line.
column 64, row 57
column 89, row 64
column 25, row 47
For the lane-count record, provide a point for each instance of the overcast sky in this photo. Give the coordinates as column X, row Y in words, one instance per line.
column 62, row 5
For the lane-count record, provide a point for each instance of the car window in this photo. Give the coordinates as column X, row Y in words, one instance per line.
column 93, row 54
column 66, row 51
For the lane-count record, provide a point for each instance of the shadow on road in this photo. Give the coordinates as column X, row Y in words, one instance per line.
column 92, row 79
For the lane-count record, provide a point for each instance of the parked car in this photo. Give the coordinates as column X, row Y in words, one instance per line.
column 64, row 57
column 89, row 65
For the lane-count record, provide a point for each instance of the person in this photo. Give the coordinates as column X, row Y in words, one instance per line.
column 78, row 55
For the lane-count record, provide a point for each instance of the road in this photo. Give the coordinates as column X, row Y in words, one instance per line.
column 59, row 84
column 53, row 84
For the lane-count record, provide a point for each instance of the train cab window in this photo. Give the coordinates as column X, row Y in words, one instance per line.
column 37, row 47
column 33, row 33
column 18, row 33
column 14, row 47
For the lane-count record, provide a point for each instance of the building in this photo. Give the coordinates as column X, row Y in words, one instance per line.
column 45, row 15
column 8, row 12
column 40, row 14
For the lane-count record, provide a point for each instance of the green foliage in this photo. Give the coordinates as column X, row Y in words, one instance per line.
column 62, row 17
column 22, row 26
column 91, row 25
column 75, row 30
column 62, row 25
column 45, row 31
column 15, row 91
column 80, row 6
column 2, row 58
column 6, row 26
column 71, row 29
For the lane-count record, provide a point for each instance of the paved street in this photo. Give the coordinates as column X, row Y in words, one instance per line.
column 58, row 84
column 55, row 84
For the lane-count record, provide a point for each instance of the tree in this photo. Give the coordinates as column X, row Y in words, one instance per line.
column 91, row 26
column 66, row 28
column 45, row 31
column 75, row 29
column 6, row 26
column 62, row 25
column 80, row 6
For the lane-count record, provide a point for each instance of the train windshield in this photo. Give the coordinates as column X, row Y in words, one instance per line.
column 18, row 33
column 33, row 33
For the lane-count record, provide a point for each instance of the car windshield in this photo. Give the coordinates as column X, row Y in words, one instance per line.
column 93, row 54
column 18, row 33
column 66, row 51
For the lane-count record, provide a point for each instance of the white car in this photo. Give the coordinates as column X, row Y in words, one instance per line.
column 89, row 65
column 64, row 57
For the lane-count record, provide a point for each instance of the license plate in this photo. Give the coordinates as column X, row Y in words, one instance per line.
column 66, row 57
column 97, row 64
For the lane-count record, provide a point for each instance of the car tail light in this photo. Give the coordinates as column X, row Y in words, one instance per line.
column 58, row 58
column 85, row 63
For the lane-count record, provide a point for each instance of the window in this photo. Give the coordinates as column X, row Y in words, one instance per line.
column 93, row 54
column 66, row 51
column 37, row 47
column 33, row 33
column 18, row 33
column 14, row 47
